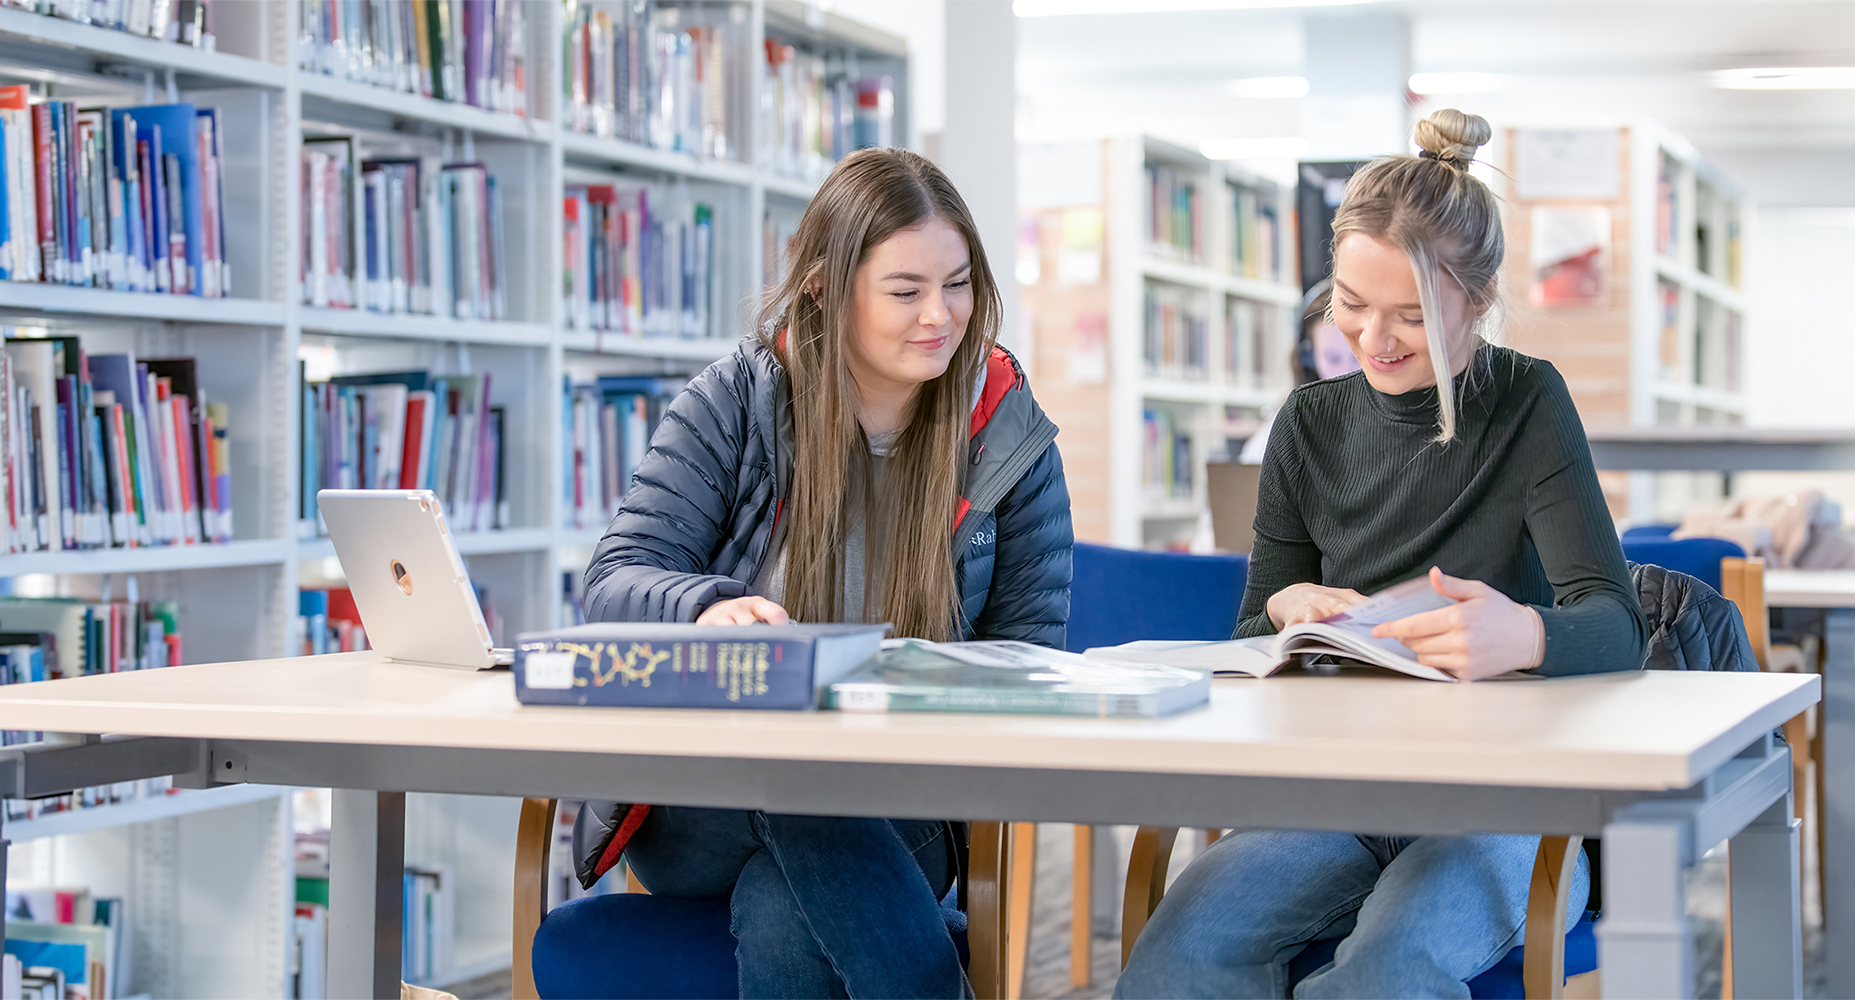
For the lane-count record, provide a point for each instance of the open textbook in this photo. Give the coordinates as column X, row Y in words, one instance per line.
column 1348, row 634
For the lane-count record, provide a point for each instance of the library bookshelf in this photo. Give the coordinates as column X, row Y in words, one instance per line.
column 1162, row 308
column 1662, row 341
column 239, row 600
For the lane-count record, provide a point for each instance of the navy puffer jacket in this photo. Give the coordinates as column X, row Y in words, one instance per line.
column 697, row 520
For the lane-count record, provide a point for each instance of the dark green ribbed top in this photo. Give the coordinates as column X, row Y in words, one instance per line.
column 1356, row 494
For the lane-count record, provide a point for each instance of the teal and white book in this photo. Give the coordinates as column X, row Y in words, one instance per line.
column 1017, row 678
column 1347, row 635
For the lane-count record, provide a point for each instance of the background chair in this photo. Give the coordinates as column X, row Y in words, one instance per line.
column 1697, row 557
column 1117, row 596
column 683, row 948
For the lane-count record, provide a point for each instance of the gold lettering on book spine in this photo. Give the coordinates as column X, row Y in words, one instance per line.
column 635, row 666
column 760, row 651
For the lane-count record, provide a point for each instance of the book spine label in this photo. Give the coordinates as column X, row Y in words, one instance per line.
column 771, row 674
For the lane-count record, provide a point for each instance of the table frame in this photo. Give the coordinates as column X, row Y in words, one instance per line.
column 1651, row 838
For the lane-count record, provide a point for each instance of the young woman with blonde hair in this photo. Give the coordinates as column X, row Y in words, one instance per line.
column 1444, row 455
column 871, row 455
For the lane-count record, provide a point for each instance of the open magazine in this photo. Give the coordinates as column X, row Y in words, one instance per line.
column 1347, row 634
column 915, row 675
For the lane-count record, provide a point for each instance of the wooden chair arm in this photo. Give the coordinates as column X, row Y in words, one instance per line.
column 534, row 842
column 1146, row 882
column 987, row 878
column 1543, row 973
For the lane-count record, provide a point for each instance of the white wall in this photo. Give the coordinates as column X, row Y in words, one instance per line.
column 1800, row 351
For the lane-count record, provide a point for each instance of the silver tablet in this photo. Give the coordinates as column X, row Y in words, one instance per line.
column 409, row 585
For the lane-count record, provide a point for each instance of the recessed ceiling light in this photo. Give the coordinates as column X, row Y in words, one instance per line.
column 1058, row 8
column 1270, row 86
column 1787, row 78
column 1286, row 147
column 1454, row 83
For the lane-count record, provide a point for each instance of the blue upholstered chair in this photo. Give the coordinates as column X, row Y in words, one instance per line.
column 1121, row 595
column 1697, row 557
column 636, row 945
column 1648, row 532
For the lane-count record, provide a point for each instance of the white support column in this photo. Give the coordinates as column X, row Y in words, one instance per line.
column 367, row 861
column 979, row 147
column 1357, row 67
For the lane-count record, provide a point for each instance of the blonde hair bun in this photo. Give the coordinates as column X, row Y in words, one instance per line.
column 1453, row 136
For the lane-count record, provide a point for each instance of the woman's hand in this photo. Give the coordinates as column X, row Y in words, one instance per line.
column 1308, row 602
column 1481, row 635
column 743, row 611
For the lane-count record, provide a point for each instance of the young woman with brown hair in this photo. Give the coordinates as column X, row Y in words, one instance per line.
column 871, row 455
column 1444, row 455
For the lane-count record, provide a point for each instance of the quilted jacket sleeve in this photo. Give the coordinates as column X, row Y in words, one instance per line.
column 1029, row 599
column 651, row 565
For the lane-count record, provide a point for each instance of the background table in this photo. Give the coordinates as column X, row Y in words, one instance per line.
column 1660, row 764
column 1833, row 590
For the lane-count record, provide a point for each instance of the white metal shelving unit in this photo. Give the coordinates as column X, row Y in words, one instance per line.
column 1243, row 375
column 208, row 933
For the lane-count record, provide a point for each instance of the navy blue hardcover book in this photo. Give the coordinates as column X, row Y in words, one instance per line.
column 645, row 665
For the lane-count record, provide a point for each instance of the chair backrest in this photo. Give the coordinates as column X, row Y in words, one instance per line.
column 1743, row 583
column 1697, row 557
column 1120, row 595
column 1648, row 532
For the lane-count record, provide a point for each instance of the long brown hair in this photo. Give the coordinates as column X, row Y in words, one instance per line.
column 1448, row 223
column 870, row 196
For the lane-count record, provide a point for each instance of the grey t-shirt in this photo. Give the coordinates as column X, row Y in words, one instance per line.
column 770, row 583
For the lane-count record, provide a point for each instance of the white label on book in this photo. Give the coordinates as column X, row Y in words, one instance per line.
column 552, row 671
column 861, row 698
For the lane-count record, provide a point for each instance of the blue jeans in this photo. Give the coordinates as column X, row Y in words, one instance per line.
column 822, row 906
column 1419, row 916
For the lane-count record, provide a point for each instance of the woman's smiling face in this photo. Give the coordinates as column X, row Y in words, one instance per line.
column 1376, row 307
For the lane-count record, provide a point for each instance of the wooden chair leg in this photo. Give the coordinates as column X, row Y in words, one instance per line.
column 1726, row 939
column 1818, row 802
column 534, row 842
column 1543, row 971
column 1797, row 735
column 1018, row 901
column 1081, row 906
column 986, row 882
column 632, row 884
column 1212, row 836
column 1146, row 882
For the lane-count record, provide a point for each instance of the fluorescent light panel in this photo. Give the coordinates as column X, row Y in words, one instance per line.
column 1454, row 83
column 1286, row 147
column 1270, row 86
column 1058, row 8
column 1787, row 78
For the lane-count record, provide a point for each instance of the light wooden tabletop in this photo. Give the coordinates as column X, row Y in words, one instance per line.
column 1640, row 730
column 1810, row 588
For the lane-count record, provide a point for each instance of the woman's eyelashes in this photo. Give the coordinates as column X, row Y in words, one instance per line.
column 1353, row 307
column 910, row 294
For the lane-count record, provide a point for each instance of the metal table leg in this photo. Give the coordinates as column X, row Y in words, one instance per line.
column 367, row 861
column 1644, row 944
column 1838, row 802
column 1767, row 912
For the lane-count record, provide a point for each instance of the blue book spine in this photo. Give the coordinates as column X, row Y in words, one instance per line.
column 772, row 673
column 176, row 127
column 6, row 213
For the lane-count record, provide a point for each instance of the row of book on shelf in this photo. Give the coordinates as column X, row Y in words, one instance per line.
column 329, row 622
column 1176, row 224
column 105, row 450
column 130, row 199
column 467, row 51
column 1166, row 454
column 1178, row 334
column 63, row 943
column 608, row 424
column 640, row 259
column 400, row 234
column 408, row 430
column 663, row 75
column 188, row 22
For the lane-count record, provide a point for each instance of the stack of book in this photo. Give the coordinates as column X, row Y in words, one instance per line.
column 1166, row 459
column 815, row 109
column 188, row 22
column 408, row 431
column 329, row 622
column 107, row 451
column 1177, row 342
column 640, row 260
column 1248, row 330
column 777, row 230
column 1175, row 214
column 400, row 235
column 467, row 51
column 608, row 430
column 64, row 944
column 428, row 931
column 129, row 199
column 1256, row 234
column 654, row 74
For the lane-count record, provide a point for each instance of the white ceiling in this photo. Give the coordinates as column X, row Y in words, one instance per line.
column 1563, row 62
